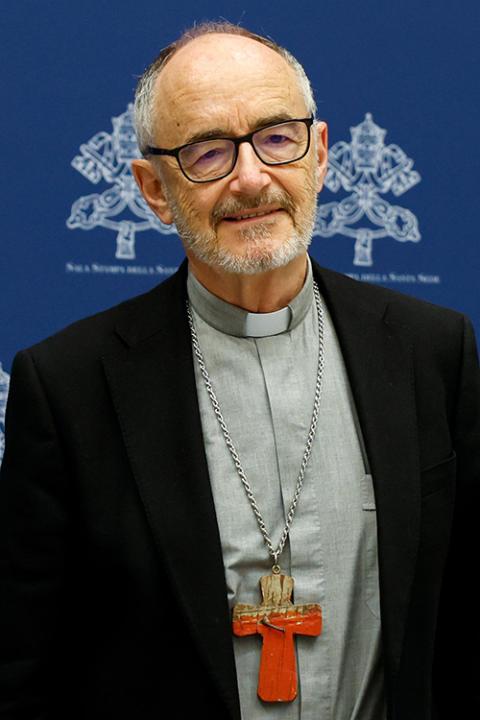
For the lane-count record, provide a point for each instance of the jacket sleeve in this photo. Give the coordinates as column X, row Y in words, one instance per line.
column 34, row 530
column 457, row 664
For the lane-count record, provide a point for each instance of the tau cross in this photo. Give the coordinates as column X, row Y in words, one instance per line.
column 277, row 620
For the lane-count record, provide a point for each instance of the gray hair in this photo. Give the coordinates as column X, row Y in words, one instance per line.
column 145, row 91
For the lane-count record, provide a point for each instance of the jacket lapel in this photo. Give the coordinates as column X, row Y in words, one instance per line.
column 153, row 387
column 378, row 358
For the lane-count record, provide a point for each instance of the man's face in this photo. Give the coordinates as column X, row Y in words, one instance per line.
column 226, row 85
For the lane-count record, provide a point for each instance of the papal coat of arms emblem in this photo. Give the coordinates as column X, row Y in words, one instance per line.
column 367, row 169
column 4, row 385
column 121, row 207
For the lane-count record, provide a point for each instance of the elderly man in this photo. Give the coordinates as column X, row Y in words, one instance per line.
column 247, row 493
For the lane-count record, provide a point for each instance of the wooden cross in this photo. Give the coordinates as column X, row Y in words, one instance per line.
column 277, row 620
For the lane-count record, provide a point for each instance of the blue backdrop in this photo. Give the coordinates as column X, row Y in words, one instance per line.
column 396, row 81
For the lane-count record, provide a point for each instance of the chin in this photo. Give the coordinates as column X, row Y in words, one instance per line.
column 258, row 257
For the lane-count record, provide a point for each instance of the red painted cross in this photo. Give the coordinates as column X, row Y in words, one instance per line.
column 277, row 620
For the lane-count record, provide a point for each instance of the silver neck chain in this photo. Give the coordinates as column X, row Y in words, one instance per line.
column 274, row 553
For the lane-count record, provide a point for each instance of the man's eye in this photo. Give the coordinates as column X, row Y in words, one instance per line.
column 276, row 139
column 213, row 154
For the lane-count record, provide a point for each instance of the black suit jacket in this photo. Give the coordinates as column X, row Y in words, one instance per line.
column 112, row 591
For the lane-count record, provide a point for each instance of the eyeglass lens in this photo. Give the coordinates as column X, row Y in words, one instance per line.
column 211, row 159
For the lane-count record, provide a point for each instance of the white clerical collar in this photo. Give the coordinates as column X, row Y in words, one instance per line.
column 236, row 321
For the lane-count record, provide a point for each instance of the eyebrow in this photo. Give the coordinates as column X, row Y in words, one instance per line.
column 219, row 132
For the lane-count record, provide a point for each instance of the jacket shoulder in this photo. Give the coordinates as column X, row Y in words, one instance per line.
column 396, row 307
column 108, row 331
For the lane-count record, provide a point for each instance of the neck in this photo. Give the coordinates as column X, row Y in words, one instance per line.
column 262, row 293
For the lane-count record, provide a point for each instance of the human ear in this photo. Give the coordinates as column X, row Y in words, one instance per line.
column 321, row 136
column 152, row 189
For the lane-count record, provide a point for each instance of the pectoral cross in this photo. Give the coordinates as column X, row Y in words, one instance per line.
column 277, row 620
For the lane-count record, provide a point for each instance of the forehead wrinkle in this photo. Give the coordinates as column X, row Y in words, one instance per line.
column 209, row 92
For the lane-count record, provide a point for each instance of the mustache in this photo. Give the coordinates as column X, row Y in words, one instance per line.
column 230, row 206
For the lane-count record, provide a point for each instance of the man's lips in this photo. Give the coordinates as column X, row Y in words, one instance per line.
column 252, row 215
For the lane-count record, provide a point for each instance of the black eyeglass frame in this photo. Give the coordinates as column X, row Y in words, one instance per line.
column 175, row 152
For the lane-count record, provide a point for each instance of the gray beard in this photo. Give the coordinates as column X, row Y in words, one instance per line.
column 258, row 258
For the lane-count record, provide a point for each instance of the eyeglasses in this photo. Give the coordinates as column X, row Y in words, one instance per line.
column 208, row 160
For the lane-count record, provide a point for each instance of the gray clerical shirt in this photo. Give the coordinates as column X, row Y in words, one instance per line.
column 265, row 387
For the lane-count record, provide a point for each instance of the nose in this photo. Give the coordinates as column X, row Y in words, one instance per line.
column 249, row 175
